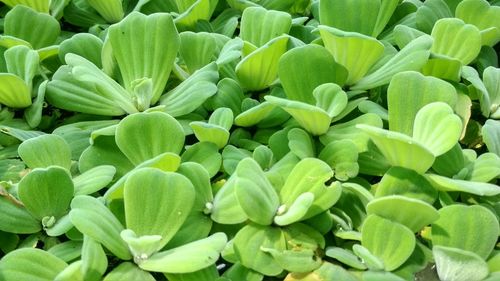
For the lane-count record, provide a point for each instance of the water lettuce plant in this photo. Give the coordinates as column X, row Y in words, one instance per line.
column 212, row 140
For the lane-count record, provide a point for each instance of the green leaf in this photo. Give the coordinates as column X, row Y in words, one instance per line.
column 399, row 149
column 92, row 218
column 258, row 25
column 392, row 242
column 479, row 188
column 444, row 68
column 192, row 92
column 342, row 156
column 46, row 192
column 485, row 168
column 408, row 183
column 354, row 16
column 197, row 49
column 128, row 271
column 491, row 135
column 192, row 12
column 355, row 51
column 408, row 92
column 187, row 258
column 81, row 86
column 331, row 98
column 204, row 153
column 470, row 228
column 259, row 69
column 302, row 69
column 85, row 45
column 207, row 274
column 296, row 211
column 312, row 118
column 145, row 47
column 67, row 251
column 430, row 12
column 30, row 264
column 491, row 79
column 44, row 151
column 437, row 127
column 15, row 218
column 239, row 272
column 224, row 209
column 254, row 192
column 470, row 74
column 412, row 213
column 459, row 265
column 94, row 260
column 411, row 58
column 39, row 29
column 345, row 256
column 211, row 133
column 483, row 15
column 456, row 39
column 23, row 62
column 301, row 143
column 141, row 136
column 14, row 92
column 157, row 203
column 248, row 245
column 94, row 179
column 111, row 11
column 37, row 5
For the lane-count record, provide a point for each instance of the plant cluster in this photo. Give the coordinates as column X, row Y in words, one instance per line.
column 202, row 140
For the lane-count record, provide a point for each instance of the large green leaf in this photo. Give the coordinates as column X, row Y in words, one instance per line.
column 14, row 92
column 411, row 58
column 187, row 258
column 157, row 202
column 356, row 52
column 83, row 44
column 399, row 149
column 92, row 218
column 437, row 127
column 258, row 25
column 142, row 136
column 39, row 29
column 454, row 264
column 470, row 228
column 192, row 12
column 46, row 192
column 44, row 151
column 484, row 16
column 392, row 242
column 413, row 213
column 197, row 49
column 342, row 156
column 259, row 69
column 30, row 264
column 355, row 16
column 37, row 5
column 456, row 39
column 408, row 92
column 254, row 192
column 304, row 68
column 145, row 47
column 23, row 62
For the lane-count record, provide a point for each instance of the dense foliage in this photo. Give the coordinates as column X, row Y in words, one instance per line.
column 201, row 140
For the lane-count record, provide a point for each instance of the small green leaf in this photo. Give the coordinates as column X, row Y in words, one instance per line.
column 30, row 264
column 206, row 132
column 346, row 257
column 459, row 265
column 94, row 179
column 204, row 153
column 45, row 151
column 483, row 15
column 296, row 211
column 301, row 143
column 392, row 242
column 342, row 156
column 224, row 210
column 470, row 228
column 14, row 92
column 94, row 260
column 46, row 192
column 189, row 257
column 491, row 135
column 15, row 218
column 85, row 45
column 430, row 12
column 437, row 127
column 479, row 188
column 111, row 11
column 408, row 183
column 128, row 271
column 141, row 136
column 331, row 98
